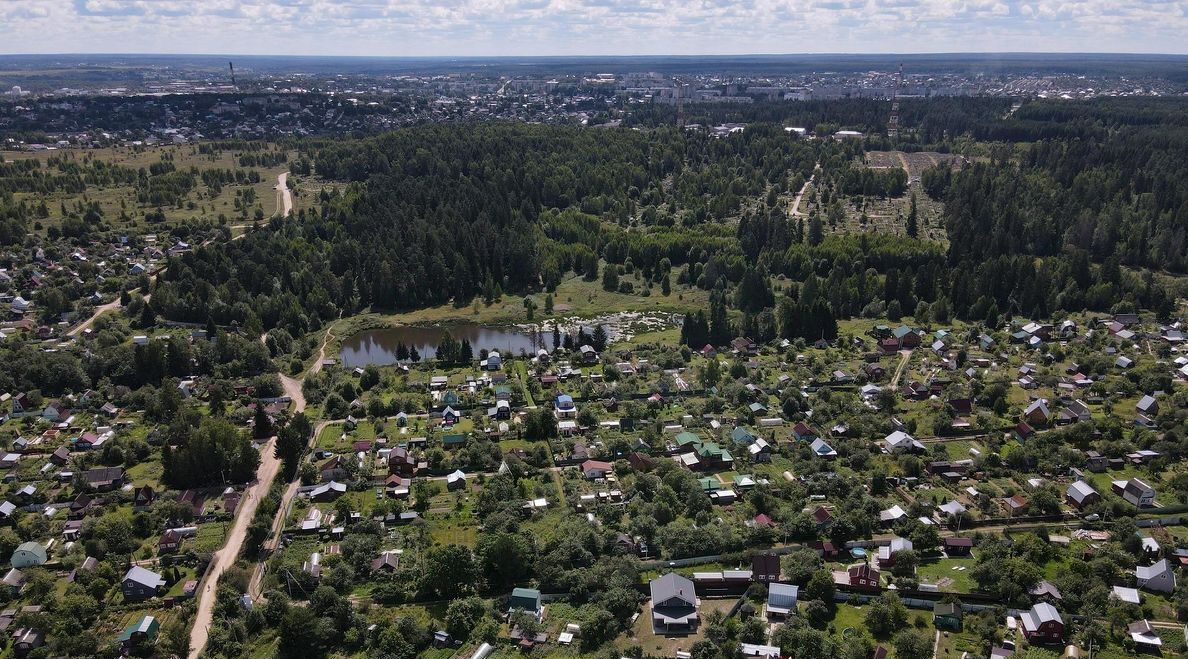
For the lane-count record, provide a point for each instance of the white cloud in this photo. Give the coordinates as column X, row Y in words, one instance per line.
column 530, row 27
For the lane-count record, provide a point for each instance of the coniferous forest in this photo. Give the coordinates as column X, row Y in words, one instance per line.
column 1060, row 207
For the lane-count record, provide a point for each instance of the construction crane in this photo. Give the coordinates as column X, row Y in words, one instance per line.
column 893, row 122
column 232, row 65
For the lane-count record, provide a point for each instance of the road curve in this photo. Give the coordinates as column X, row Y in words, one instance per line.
column 225, row 557
column 269, row 467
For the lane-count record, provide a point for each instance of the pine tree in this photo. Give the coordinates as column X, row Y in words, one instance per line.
column 816, row 231
column 599, row 338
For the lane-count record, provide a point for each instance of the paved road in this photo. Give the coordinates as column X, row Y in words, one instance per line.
column 284, row 198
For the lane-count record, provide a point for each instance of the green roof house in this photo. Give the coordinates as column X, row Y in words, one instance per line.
column 142, row 631
column 29, row 553
column 525, row 599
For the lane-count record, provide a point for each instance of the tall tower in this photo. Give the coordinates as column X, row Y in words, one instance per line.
column 893, row 122
column 232, row 65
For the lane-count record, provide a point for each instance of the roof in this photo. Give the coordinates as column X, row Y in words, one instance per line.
column 524, row 598
column 1148, row 572
column 33, row 548
column 144, row 577
column 673, row 586
column 1079, row 490
column 146, row 625
column 1040, row 614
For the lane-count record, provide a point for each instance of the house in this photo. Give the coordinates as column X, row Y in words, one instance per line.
column 1042, row 624
column 171, row 539
column 401, row 462
column 759, row 651
column 906, row 336
column 1074, row 412
column 822, row 449
column 494, row 361
column 143, row 498
column 947, row 615
column 1015, row 505
column 14, row 580
column 822, row 517
column 22, row 404
column 525, row 599
column 564, row 407
column 803, row 432
column 26, row 640
column 102, row 479
column 60, row 456
column 387, row 561
column 863, row 577
column 456, row 480
column 765, row 567
column 1081, row 494
column 596, row 469
column 760, row 451
column 1037, row 413
column 140, row 584
column 1145, row 637
column 901, row 442
column 1148, row 406
column 674, row 604
column 1158, row 577
column 958, row 546
column 327, row 491
column 143, row 630
column 7, row 509
column 29, row 554
column 781, row 600
column 1136, row 492
column 887, row 552
column 1096, row 462
column 333, row 469
column 891, row 515
column 589, row 354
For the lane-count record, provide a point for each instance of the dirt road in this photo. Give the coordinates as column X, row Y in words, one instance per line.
column 99, row 311
column 292, row 387
column 284, row 197
column 225, row 557
column 800, row 195
column 903, row 362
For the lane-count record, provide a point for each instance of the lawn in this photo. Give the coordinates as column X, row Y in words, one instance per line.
column 936, row 570
column 574, row 297
column 641, row 633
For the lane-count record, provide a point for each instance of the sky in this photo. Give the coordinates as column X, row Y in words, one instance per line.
column 590, row 27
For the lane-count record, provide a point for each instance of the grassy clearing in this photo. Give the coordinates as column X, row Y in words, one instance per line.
column 201, row 203
column 574, row 297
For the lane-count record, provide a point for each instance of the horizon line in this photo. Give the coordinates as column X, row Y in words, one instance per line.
column 621, row 56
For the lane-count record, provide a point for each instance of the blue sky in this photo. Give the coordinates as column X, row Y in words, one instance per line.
column 590, row 27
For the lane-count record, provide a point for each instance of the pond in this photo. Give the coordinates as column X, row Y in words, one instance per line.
column 378, row 346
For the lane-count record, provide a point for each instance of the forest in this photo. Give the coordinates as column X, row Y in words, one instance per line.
column 446, row 213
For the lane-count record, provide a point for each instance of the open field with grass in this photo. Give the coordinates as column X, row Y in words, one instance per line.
column 119, row 206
